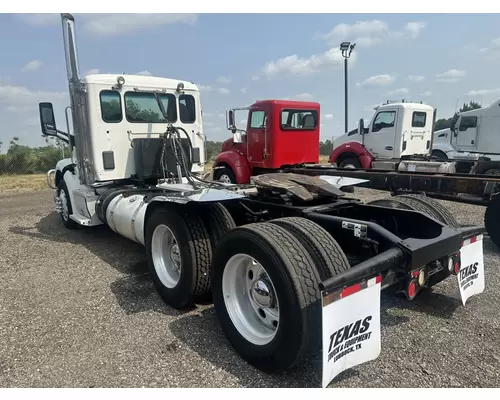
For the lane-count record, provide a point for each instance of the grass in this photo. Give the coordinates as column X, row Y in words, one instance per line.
column 11, row 184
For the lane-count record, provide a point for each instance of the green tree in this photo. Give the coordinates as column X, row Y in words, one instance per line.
column 445, row 123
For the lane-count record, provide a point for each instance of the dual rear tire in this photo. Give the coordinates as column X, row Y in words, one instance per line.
column 263, row 277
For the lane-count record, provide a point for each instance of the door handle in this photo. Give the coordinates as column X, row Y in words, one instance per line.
column 388, row 147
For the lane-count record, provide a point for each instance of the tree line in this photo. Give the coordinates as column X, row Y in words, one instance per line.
column 22, row 159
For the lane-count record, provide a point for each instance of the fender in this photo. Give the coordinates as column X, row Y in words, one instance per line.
column 237, row 162
column 355, row 148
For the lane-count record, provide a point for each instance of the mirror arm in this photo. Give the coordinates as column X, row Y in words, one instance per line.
column 58, row 134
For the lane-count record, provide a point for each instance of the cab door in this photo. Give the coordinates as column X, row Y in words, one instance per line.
column 256, row 135
column 379, row 140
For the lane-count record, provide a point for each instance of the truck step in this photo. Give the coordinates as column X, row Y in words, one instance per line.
column 81, row 220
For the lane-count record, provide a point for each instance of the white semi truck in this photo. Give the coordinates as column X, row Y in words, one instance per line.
column 292, row 265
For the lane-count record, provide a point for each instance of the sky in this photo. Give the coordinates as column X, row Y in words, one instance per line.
column 237, row 59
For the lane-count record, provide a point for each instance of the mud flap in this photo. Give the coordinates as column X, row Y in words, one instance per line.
column 471, row 275
column 351, row 327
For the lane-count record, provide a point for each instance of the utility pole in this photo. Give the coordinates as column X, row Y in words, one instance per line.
column 346, row 48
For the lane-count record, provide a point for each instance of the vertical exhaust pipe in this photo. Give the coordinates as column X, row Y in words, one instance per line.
column 70, row 51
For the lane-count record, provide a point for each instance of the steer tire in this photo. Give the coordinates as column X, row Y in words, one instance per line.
column 195, row 252
column 350, row 161
column 68, row 222
column 296, row 281
column 326, row 253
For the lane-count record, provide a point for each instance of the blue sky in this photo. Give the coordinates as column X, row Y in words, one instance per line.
column 237, row 59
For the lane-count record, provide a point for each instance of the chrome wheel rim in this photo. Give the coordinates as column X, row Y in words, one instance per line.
column 64, row 205
column 166, row 256
column 250, row 299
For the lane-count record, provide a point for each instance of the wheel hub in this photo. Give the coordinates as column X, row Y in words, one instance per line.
column 261, row 293
column 175, row 256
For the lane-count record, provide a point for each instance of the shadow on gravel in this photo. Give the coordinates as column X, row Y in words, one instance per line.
column 134, row 292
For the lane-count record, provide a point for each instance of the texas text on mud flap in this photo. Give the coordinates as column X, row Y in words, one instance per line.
column 471, row 275
column 351, row 327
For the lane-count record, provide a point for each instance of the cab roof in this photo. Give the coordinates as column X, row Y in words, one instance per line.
column 139, row 80
column 292, row 103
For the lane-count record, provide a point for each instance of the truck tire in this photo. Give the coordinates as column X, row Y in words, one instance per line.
column 492, row 220
column 225, row 175
column 421, row 204
column 274, row 327
column 326, row 253
column 217, row 219
column 350, row 163
column 441, row 211
column 179, row 268
column 63, row 194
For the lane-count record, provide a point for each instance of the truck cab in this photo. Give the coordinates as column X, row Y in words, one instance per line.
column 278, row 134
column 475, row 132
column 396, row 130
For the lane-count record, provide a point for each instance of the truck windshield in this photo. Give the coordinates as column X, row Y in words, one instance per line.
column 299, row 119
column 141, row 107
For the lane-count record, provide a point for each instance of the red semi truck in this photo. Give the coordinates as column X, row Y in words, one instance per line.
column 279, row 134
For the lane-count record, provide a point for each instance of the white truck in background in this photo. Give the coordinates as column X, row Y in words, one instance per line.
column 397, row 130
column 472, row 142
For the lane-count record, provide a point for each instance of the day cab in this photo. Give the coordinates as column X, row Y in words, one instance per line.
column 397, row 130
column 279, row 134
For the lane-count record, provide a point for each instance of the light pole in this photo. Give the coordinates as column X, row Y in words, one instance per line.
column 346, row 48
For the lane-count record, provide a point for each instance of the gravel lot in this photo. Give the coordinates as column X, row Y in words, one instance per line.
column 77, row 309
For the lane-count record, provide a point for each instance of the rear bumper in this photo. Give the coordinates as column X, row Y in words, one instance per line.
column 406, row 256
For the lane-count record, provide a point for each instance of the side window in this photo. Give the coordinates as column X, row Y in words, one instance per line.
column 111, row 106
column 467, row 122
column 299, row 119
column 187, row 108
column 257, row 119
column 384, row 119
column 141, row 107
column 418, row 119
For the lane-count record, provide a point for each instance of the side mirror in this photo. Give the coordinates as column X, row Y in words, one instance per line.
column 47, row 119
column 231, row 125
column 361, row 127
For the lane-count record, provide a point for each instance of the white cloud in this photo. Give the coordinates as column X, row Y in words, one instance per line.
column 92, row 71
column 32, row 66
column 493, row 51
column 207, row 115
column 484, row 92
column 243, row 90
column 450, row 76
column 15, row 96
column 255, row 78
column 398, row 91
column 204, row 88
column 112, row 24
column 225, row 80
column 416, row 78
column 294, row 65
column 223, row 91
column 145, row 73
column 426, row 94
column 370, row 33
column 304, row 96
column 328, row 116
column 376, row 81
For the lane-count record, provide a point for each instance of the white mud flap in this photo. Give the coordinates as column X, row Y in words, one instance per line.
column 351, row 327
column 471, row 275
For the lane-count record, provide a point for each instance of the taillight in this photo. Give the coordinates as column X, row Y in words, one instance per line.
column 412, row 289
column 454, row 264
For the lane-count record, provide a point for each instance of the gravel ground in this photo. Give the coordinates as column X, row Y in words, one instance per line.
column 77, row 309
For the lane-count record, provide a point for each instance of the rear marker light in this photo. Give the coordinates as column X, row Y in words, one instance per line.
column 450, row 264
column 411, row 290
